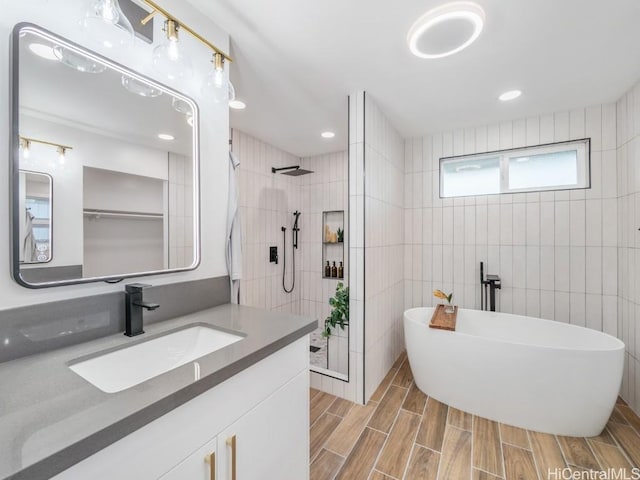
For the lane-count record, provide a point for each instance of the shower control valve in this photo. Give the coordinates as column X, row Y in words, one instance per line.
column 273, row 255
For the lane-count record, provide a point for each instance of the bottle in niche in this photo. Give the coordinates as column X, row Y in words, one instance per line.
column 340, row 271
column 334, row 271
column 327, row 270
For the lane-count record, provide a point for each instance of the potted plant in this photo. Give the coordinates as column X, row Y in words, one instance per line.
column 340, row 312
column 340, row 233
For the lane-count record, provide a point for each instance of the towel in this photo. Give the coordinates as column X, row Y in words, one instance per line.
column 234, row 231
column 29, row 248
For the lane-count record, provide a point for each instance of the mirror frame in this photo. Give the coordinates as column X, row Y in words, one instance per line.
column 14, row 161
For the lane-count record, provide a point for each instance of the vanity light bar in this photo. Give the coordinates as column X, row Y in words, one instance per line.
column 158, row 9
column 28, row 140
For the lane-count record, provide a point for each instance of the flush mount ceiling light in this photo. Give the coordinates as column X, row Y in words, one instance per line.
column 510, row 95
column 166, row 136
column 43, row 51
column 327, row 134
column 446, row 30
column 237, row 105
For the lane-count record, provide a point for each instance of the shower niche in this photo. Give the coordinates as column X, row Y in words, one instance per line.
column 333, row 244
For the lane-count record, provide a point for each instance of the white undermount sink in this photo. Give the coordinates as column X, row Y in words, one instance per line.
column 121, row 369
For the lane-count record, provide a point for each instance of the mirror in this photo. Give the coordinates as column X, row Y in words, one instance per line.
column 121, row 153
column 36, row 197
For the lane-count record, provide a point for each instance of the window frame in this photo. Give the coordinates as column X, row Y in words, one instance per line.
column 583, row 148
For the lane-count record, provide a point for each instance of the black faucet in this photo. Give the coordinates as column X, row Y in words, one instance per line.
column 493, row 283
column 134, row 305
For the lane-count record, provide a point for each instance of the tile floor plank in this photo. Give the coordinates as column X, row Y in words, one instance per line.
column 387, row 409
column 630, row 416
column 514, row 436
column 610, row 456
column 395, row 454
column 480, row 475
column 346, row 435
column 404, row 378
column 487, row 452
column 319, row 404
column 400, row 360
column 604, row 437
column 382, row 388
column 547, row 453
column 519, row 464
column 460, row 419
column 617, row 416
column 577, row 452
column 432, row 427
column 375, row 475
column 456, row 454
column 415, row 401
column 361, row 459
column 628, row 440
column 326, row 465
column 321, row 431
column 423, row 464
column 340, row 407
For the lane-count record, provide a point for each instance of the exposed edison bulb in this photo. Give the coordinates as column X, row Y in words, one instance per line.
column 62, row 155
column 105, row 24
column 215, row 84
column 26, row 148
column 169, row 59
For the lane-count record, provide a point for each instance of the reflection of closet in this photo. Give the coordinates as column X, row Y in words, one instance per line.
column 124, row 227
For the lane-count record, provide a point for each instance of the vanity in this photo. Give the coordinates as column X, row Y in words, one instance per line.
column 243, row 408
column 106, row 188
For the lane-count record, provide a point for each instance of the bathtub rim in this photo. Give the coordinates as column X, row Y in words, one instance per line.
column 620, row 344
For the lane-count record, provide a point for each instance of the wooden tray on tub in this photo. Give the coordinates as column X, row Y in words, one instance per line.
column 442, row 320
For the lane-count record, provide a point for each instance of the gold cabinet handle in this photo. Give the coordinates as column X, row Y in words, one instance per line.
column 211, row 461
column 232, row 443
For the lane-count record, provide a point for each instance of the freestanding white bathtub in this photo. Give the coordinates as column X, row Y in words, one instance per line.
column 536, row 374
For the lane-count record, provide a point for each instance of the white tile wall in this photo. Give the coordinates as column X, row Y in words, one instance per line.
column 180, row 211
column 384, row 195
column 267, row 203
column 626, row 280
column 555, row 251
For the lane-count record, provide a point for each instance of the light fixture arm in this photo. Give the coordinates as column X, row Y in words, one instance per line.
column 158, row 9
column 28, row 141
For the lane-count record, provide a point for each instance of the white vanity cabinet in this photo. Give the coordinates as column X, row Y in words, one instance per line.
column 266, row 409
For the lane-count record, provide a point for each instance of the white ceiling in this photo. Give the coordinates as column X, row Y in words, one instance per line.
column 296, row 62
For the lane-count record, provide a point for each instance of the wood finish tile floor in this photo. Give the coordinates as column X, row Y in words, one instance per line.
column 402, row 434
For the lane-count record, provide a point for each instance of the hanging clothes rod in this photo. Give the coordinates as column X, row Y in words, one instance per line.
column 120, row 214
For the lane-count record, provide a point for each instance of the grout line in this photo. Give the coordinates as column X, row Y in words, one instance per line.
column 533, row 455
column 619, row 447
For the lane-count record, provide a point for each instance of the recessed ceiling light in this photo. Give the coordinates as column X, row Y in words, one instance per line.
column 510, row 95
column 327, row 134
column 43, row 51
column 446, row 30
column 237, row 105
column 165, row 136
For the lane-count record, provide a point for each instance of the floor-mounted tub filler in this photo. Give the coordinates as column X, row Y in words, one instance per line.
column 531, row 373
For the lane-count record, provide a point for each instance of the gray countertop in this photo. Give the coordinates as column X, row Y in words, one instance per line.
column 51, row 418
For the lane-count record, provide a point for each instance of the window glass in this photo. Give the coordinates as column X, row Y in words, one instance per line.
column 473, row 176
column 556, row 169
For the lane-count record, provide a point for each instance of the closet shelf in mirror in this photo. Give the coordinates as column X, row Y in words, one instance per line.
column 97, row 214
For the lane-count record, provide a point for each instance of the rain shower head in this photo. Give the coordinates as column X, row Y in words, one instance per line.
column 294, row 171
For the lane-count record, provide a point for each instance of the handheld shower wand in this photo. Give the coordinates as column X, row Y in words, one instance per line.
column 294, row 244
